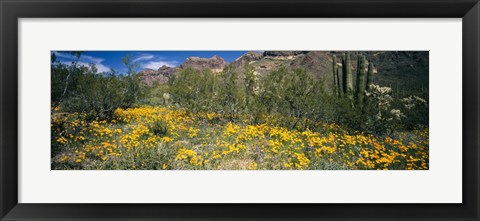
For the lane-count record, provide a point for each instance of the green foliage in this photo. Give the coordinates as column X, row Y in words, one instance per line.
column 156, row 94
column 78, row 88
column 287, row 93
column 298, row 87
column 159, row 127
column 184, row 88
column 96, row 95
column 195, row 90
column 232, row 97
column 132, row 67
column 65, row 78
column 156, row 158
column 249, row 84
column 415, row 109
column 296, row 98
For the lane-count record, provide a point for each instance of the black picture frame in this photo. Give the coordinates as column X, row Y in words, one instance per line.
column 12, row 10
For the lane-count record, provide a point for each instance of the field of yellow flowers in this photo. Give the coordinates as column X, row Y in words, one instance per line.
column 164, row 138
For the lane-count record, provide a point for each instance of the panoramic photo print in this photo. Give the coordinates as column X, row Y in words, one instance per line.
column 239, row 110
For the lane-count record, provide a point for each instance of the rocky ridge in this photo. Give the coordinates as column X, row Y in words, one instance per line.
column 392, row 66
column 215, row 63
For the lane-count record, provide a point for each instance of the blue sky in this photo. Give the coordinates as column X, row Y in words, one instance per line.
column 104, row 60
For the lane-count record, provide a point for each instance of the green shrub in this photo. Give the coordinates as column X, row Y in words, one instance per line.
column 78, row 88
column 159, row 128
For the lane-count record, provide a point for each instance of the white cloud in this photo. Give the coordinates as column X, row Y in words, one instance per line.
column 100, row 67
column 143, row 57
column 63, row 55
column 92, row 59
column 145, row 60
column 85, row 60
column 151, row 61
column 157, row 64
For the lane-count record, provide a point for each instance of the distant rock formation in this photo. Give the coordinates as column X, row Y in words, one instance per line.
column 283, row 53
column 166, row 71
column 149, row 76
column 248, row 57
column 214, row 63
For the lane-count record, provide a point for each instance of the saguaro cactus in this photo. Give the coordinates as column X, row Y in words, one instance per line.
column 347, row 76
column 340, row 87
column 334, row 72
column 337, row 85
column 361, row 79
column 369, row 75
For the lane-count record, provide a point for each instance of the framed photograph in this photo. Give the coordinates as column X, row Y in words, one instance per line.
column 227, row 110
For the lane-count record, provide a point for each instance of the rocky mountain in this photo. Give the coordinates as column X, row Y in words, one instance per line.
column 166, row 71
column 247, row 58
column 283, row 53
column 150, row 77
column 214, row 63
column 401, row 70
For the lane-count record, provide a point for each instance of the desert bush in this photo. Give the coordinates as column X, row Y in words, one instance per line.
column 415, row 109
column 155, row 95
column 65, row 77
column 159, row 127
column 194, row 89
column 98, row 96
column 79, row 88
column 232, row 96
